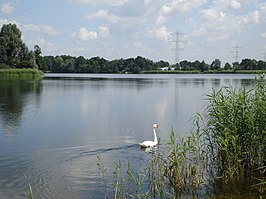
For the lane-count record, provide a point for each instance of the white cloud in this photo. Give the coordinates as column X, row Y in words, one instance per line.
column 227, row 4
column 147, row 2
column 46, row 29
column 177, row 7
column 47, row 47
column 235, row 4
column 213, row 14
column 263, row 34
column 43, row 29
column 161, row 33
column 263, row 8
column 5, row 21
column 220, row 23
column 84, row 34
column 255, row 16
column 103, row 14
column 104, row 31
column 161, row 19
column 105, row 2
column 7, row 8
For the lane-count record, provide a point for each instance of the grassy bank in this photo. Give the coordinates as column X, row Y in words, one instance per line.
column 225, row 155
column 205, row 72
column 21, row 74
column 171, row 72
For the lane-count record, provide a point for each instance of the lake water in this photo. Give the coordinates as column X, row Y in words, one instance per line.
column 53, row 130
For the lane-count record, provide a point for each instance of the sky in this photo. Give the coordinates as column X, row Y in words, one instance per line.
column 229, row 30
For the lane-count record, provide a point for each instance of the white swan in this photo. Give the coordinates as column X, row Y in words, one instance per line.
column 146, row 144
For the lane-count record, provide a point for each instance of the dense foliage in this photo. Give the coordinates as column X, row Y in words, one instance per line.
column 15, row 54
column 236, row 133
column 13, row 51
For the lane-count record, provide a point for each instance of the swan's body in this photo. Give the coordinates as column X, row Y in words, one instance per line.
column 153, row 143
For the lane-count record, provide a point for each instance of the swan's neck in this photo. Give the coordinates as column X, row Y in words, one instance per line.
column 155, row 136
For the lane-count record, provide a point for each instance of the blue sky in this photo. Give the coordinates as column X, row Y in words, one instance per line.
column 115, row 29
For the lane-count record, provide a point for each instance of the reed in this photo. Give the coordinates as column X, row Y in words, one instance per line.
column 181, row 171
column 185, row 163
column 234, row 127
column 23, row 74
column 30, row 192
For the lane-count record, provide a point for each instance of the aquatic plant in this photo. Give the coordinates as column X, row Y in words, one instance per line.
column 30, row 192
column 185, row 163
column 24, row 74
column 235, row 133
column 180, row 171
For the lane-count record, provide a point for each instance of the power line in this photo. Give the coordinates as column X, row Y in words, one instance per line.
column 175, row 39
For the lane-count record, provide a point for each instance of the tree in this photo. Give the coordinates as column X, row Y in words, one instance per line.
column 261, row 65
column 69, row 65
column 236, row 66
column 203, row 66
column 58, row 64
column 38, row 57
column 227, row 66
column 48, row 63
column 185, row 65
column 13, row 50
column 161, row 64
column 248, row 64
column 216, row 64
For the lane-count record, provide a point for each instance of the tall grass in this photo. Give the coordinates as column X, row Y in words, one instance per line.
column 24, row 74
column 234, row 129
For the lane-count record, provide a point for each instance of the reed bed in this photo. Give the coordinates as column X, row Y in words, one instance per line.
column 21, row 74
column 235, row 130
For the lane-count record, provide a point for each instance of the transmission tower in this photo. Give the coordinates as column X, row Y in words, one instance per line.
column 175, row 39
column 236, row 51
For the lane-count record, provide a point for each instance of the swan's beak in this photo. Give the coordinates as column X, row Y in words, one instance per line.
column 158, row 126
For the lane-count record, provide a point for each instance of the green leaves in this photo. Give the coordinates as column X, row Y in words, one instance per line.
column 14, row 52
column 235, row 130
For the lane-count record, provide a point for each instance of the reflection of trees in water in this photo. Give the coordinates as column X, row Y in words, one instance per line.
column 13, row 95
column 215, row 82
column 101, row 83
column 196, row 82
column 244, row 82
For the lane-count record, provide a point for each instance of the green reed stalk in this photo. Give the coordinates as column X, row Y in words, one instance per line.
column 103, row 171
column 30, row 192
column 236, row 133
column 20, row 74
column 186, row 163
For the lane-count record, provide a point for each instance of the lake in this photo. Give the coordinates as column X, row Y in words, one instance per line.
column 53, row 131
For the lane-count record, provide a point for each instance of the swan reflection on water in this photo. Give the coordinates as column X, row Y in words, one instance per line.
column 149, row 149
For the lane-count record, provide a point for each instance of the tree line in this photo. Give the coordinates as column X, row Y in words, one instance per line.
column 15, row 54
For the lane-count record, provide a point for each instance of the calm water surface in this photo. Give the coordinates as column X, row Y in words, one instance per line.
column 53, row 130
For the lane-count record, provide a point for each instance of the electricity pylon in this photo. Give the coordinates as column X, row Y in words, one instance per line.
column 175, row 39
